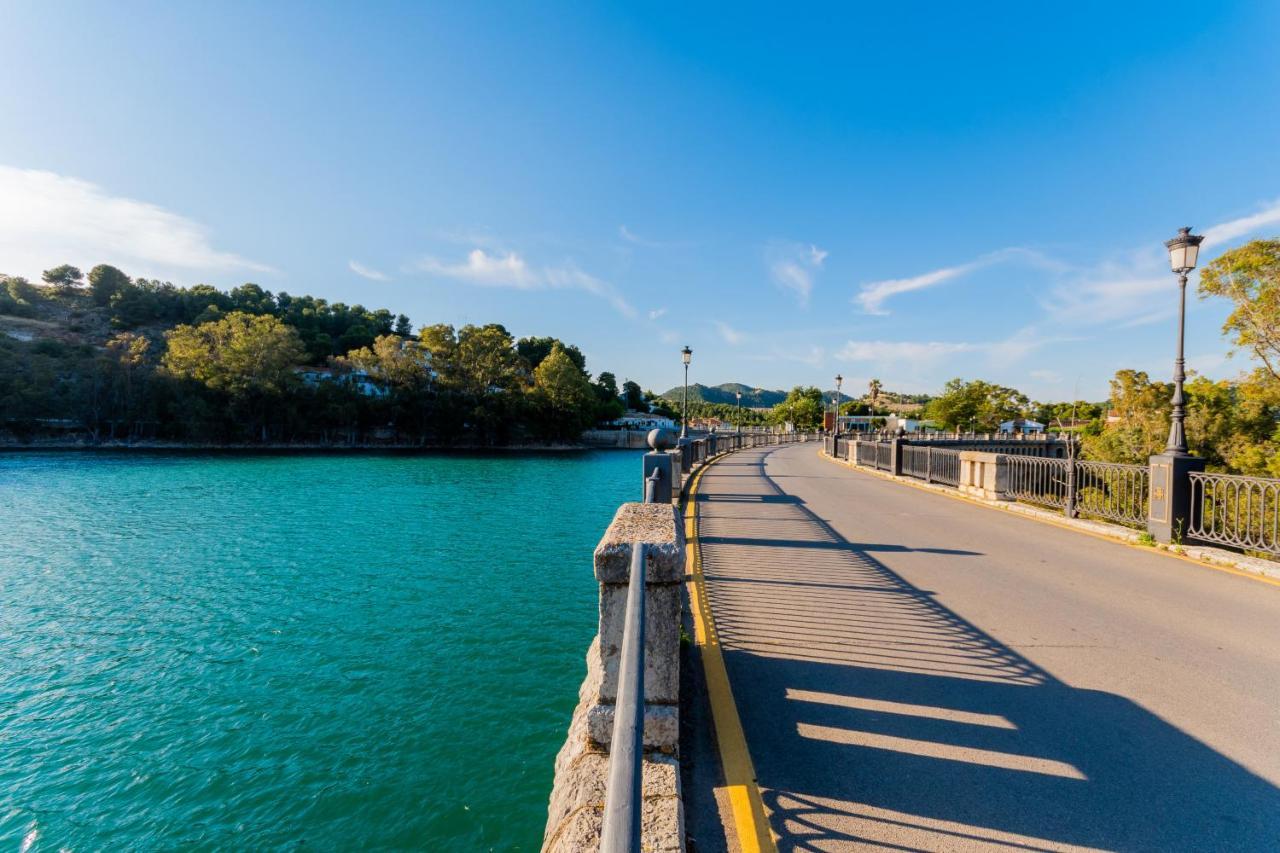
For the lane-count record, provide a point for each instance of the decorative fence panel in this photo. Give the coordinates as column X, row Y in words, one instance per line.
column 1113, row 491
column 915, row 462
column 884, row 456
column 1230, row 509
column 944, row 465
column 1036, row 479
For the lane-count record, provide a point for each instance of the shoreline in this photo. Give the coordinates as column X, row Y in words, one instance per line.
column 318, row 449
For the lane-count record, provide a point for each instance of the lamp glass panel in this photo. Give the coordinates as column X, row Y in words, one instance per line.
column 1177, row 257
column 1192, row 252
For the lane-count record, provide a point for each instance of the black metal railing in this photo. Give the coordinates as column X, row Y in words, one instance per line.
column 1036, row 479
column 884, row 456
column 623, row 800
column 931, row 464
column 1113, row 491
column 1231, row 509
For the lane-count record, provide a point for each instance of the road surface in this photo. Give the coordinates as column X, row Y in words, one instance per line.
column 915, row 672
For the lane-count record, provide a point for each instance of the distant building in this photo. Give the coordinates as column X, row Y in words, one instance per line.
column 643, row 420
column 360, row 380
column 1018, row 425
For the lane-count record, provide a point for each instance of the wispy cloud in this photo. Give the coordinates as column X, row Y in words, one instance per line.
column 730, row 334
column 632, row 237
column 793, row 267
column 47, row 218
column 657, row 313
column 366, row 272
column 812, row 356
column 1017, row 346
column 874, row 294
column 509, row 269
column 1225, row 232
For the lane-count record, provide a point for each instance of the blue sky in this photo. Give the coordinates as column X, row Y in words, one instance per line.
column 912, row 193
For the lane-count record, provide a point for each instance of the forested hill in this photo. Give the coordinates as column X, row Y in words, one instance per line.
column 753, row 398
column 111, row 358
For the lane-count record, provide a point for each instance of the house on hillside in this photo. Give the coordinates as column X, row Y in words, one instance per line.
column 1021, row 425
column 360, row 380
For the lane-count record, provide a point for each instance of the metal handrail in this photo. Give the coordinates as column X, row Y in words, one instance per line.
column 651, row 484
column 623, row 793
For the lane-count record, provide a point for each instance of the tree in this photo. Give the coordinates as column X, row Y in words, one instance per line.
column 403, row 327
column 873, row 392
column 404, row 366
column 105, row 281
column 17, row 296
column 1250, row 277
column 802, row 408
column 126, row 357
column 1141, row 408
column 565, row 395
column 65, row 277
column 978, row 405
column 241, row 354
column 534, row 350
column 633, row 397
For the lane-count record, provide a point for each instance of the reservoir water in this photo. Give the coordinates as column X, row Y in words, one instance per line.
column 330, row 652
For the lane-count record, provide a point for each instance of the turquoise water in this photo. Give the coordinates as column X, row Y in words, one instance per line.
column 280, row 651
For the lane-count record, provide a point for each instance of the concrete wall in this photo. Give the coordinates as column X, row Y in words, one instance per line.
column 577, row 797
column 623, row 439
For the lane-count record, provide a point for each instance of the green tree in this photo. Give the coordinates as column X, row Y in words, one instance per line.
column 1141, row 408
column 979, row 405
column 534, row 350
column 803, row 407
column 403, row 327
column 633, row 397
column 17, row 296
column 251, row 358
column 64, row 277
column 105, row 281
column 1249, row 276
column 565, row 397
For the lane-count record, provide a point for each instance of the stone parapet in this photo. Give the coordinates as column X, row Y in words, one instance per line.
column 574, row 816
column 982, row 475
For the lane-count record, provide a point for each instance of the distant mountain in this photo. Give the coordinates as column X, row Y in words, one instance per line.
column 752, row 398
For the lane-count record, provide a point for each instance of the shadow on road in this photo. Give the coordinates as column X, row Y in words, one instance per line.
column 877, row 716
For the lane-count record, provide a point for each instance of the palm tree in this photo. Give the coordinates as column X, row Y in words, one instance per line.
column 874, row 387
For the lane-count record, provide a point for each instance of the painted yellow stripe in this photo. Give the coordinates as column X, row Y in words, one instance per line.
column 749, row 817
column 1231, row 570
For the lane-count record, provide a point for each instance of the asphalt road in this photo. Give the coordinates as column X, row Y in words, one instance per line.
column 914, row 672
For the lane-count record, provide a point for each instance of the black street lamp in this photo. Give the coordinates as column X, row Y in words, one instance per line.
column 835, row 418
column 1183, row 251
column 686, row 354
column 738, row 426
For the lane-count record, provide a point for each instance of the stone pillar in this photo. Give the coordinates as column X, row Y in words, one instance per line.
column 582, row 767
column 982, row 475
column 895, row 456
column 1170, row 510
column 660, row 461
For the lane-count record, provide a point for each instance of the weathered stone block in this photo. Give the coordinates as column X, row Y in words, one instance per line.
column 657, row 525
column 661, row 641
column 661, row 726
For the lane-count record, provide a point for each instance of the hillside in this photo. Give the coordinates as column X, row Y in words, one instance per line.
column 752, row 398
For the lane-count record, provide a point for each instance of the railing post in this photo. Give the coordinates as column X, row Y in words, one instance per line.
column 1069, row 509
column 1169, row 514
column 928, row 464
column 895, row 456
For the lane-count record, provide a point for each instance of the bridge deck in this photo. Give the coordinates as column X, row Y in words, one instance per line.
column 917, row 673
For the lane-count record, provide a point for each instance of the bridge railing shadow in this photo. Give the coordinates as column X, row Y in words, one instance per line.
column 875, row 713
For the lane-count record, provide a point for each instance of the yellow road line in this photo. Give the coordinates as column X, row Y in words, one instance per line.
column 1147, row 549
column 749, row 817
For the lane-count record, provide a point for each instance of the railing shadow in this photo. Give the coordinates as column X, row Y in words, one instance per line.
column 876, row 715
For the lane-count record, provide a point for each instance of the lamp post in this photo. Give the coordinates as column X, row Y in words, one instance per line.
column 1171, row 510
column 835, row 417
column 1183, row 251
column 738, row 426
column 686, row 354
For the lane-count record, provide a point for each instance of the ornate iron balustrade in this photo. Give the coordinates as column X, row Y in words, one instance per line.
column 866, row 454
column 1036, row 479
column 915, row 462
column 1231, row 509
column 1113, row 491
